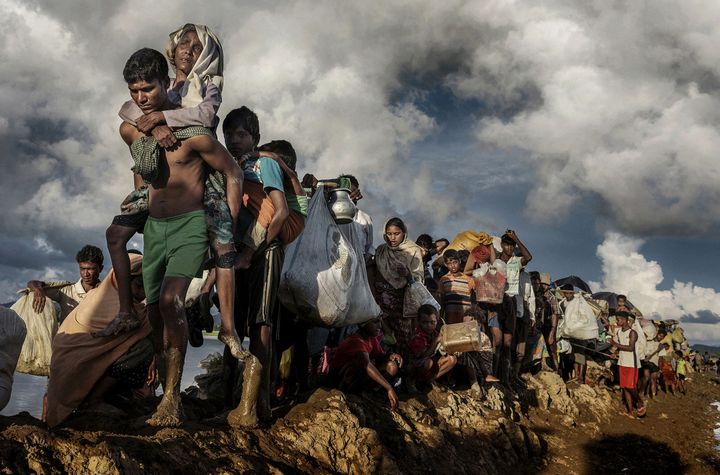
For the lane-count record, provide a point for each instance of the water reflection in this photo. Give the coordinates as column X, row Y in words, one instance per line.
column 28, row 390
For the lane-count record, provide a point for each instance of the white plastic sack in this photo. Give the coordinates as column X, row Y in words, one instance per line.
column 649, row 328
column 41, row 328
column 323, row 278
column 417, row 295
column 195, row 288
column 579, row 321
column 12, row 336
column 641, row 344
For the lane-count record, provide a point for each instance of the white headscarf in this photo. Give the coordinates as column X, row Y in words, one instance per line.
column 208, row 68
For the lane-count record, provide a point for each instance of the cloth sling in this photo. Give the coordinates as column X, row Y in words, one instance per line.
column 145, row 151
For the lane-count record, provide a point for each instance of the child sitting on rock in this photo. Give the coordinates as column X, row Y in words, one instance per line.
column 426, row 364
column 478, row 363
column 360, row 364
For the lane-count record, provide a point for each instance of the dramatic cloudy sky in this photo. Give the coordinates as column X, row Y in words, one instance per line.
column 589, row 127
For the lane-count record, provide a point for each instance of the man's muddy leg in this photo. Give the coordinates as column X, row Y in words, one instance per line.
column 263, row 352
column 245, row 414
column 172, row 310
column 169, row 412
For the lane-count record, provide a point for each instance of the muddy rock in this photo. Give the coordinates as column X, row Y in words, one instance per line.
column 441, row 431
column 326, row 430
column 592, row 402
column 552, row 393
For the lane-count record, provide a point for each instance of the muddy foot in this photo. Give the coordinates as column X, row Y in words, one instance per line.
column 245, row 414
column 239, row 418
column 169, row 413
column 232, row 341
column 122, row 323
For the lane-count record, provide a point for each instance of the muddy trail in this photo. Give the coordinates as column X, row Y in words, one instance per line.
column 549, row 428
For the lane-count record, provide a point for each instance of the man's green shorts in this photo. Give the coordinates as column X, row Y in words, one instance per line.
column 174, row 247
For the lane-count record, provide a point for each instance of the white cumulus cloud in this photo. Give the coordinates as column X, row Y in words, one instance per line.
column 627, row 271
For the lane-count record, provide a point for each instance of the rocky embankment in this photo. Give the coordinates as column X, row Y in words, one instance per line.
column 441, row 431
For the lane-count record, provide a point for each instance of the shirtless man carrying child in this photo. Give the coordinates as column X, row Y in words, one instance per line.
column 176, row 239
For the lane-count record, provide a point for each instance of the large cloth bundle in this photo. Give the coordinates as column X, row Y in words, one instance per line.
column 416, row 295
column 678, row 335
column 649, row 328
column 600, row 308
column 489, row 285
column 579, row 320
column 12, row 336
column 641, row 343
column 324, row 279
column 41, row 329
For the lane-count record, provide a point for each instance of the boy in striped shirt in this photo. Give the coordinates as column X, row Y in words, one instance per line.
column 456, row 289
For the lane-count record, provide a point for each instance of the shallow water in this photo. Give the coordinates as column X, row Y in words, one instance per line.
column 28, row 390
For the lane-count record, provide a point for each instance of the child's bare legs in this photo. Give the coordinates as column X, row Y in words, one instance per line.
column 637, row 402
column 628, row 400
column 644, row 382
column 579, row 373
column 117, row 238
column 225, row 283
column 653, row 385
column 497, row 345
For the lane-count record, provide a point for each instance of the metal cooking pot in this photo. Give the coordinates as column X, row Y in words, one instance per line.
column 341, row 206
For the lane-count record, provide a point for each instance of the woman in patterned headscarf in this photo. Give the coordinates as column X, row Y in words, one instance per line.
column 396, row 262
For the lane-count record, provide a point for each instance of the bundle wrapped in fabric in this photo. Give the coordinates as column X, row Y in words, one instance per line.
column 323, row 279
column 41, row 329
column 416, row 295
column 468, row 240
column 678, row 335
column 648, row 327
column 12, row 336
column 579, row 320
column 601, row 308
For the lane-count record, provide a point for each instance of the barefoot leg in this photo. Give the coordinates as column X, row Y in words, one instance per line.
column 245, row 414
column 169, row 412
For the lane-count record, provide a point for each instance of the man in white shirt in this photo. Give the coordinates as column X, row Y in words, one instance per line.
column 67, row 294
column 362, row 221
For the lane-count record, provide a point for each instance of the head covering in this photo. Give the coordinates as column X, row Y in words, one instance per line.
column 545, row 278
column 208, row 67
column 390, row 260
